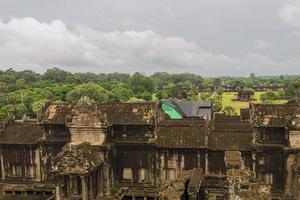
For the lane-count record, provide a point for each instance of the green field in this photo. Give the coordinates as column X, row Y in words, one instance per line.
column 229, row 100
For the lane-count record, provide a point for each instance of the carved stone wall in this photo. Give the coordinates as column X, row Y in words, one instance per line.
column 86, row 123
column 294, row 139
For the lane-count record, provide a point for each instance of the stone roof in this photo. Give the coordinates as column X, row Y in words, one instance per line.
column 54, row 113
column 129, row 113
column 182, row 133
column 239, row 141
column 111, row 113
column 230, row 133
column 230, row 123
column 77, row 159
column 273, row 115
column 22, row 132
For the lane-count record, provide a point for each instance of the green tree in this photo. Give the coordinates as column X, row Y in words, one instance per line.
column 3, row 87
column 220, row 90
column 17, row 111
column 121, row 92
column 21, row 85
column 296, row 87
column 216, row 103
column 145, row 96
column 169, row 91
column 56, row 75
column 203, row 96
column 269, row 95
column 252, row 75
column 229, row 111
column 140, row 83
column 281, row 94
column 91, row 90
column 36, row 106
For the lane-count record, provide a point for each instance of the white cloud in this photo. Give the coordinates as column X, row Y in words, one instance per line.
column 261, row 44
column 263, row 65
column 290, row 13
column 294, row 34
column 29, row 44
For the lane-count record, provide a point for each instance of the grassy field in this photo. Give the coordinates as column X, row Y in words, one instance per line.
column 229, row 100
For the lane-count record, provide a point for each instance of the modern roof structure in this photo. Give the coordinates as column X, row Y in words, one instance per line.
column 171, row 110
column 178, row 109
column 193, row 108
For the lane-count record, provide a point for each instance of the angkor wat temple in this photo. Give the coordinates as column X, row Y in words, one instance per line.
column 152, row 150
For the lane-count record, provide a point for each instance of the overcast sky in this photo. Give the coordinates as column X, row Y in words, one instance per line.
column 206, row 37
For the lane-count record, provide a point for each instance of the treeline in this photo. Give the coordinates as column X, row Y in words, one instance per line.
column 24, row 92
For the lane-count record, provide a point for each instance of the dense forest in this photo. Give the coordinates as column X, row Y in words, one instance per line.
column 22, row 93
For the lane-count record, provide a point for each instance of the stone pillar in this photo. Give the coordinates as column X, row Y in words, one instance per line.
column 91, row 182
column 206, row 163
column 162, row 177
column 289, row 161
column 71, row 182
column 2, row 165
column 177, row 164
column 58, row 189
column 149, row 177
column 254, row 163
column 38, row 164
column 84, row 190
column 68, row 186
column 106, row 179
column 100, row 178
column 75, row 184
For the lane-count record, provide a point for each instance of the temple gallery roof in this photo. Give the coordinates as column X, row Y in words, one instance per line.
column 21, row 132
column 270, row 115
column 230, row 141
column 182, row 133
column 77, row 159
column 110, row 113
column 224, row 123
column 129, row 113
column 230, row 133
column 55, row 113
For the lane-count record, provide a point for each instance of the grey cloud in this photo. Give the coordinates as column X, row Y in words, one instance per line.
column 262, row 44
column 290, row 13
column 26, row 42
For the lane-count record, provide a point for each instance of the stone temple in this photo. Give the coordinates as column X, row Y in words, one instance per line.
column 160, row 150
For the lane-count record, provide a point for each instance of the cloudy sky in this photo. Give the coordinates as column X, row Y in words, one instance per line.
column 206, row 37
